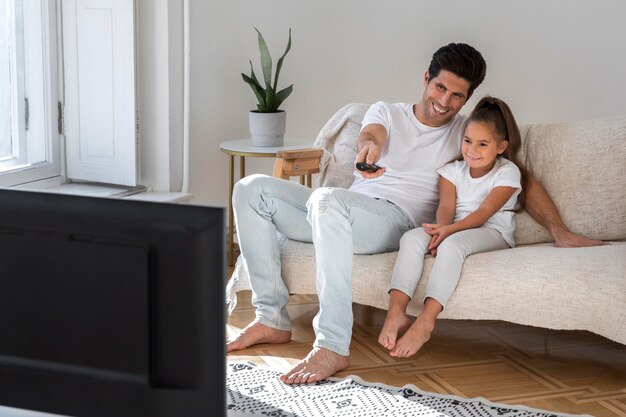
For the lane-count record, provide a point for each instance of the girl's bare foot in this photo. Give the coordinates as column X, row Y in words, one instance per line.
column 414, row 338
column 256, row 333
column 396, row 322
column 319, row 364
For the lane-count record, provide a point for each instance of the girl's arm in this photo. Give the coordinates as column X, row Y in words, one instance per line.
column 494, row 202
column 447, row 202
column 446, row 209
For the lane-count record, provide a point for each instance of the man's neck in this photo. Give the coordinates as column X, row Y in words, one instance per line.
column 418, row 112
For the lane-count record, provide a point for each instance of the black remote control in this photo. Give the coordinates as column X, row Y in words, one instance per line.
column 362, row 166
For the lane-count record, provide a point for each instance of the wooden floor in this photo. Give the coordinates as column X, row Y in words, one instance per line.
column 569, row 372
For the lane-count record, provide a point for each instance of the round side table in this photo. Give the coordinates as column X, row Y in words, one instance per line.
column 242, row 148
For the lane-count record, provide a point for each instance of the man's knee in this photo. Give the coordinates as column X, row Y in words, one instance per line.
column 327, row 202
column 250, row 188
column 323, row 199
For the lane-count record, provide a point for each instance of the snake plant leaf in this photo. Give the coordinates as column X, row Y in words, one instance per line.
column 258, row 91
column 282, row 95
column 268, row 100
column 266, row 60
column 280, row 61
column 253, row 76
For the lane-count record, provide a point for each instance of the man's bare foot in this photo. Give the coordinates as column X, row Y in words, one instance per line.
column 256, row 333
column 395, row 323
column 414, row 338
column 567, row 239
column 319, row 364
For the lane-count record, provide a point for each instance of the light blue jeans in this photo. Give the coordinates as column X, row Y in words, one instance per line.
column 339, row 222
column 451, row 255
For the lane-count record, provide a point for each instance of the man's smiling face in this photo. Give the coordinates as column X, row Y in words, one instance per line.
column 444, row 96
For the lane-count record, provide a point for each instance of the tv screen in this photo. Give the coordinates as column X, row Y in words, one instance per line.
column 111, row 307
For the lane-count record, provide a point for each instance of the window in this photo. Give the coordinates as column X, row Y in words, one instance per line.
column 96, row 136
column 29, row 140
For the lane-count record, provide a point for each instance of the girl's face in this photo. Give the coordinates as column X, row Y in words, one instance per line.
column 481, row 147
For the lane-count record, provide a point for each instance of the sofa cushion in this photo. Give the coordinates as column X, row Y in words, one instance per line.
column 568, row 288
column 536, row 285
column 582, row 165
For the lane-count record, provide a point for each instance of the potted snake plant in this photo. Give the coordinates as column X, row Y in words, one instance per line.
column 268, row 122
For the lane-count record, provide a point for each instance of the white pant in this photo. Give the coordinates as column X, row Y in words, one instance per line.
column 339, row 222
column 451, row 254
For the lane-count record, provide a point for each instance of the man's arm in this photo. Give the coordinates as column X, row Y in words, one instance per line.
column 369, row 145
column 541, row 207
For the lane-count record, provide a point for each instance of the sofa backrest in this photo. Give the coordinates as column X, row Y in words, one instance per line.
column 338, row 139
column 581, row 164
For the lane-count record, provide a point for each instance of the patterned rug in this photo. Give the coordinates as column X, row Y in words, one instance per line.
column 258, row 391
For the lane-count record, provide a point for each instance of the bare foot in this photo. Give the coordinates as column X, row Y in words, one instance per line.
column 414, row 338
column 319, row 364
column 256, row 333
column 395, row 323
column 567, row 239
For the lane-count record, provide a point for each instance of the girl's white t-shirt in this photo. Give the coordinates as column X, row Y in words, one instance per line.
column 471, row 192
column 411, row 157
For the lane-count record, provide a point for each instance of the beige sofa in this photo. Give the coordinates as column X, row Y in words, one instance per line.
column 582, row 165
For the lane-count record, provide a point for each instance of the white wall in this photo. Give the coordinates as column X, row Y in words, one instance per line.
column 550, row 60
column 160, row 92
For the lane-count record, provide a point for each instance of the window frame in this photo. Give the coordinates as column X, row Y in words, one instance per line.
column 38, row 148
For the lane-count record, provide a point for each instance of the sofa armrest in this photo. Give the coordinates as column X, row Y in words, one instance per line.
column 298, row 162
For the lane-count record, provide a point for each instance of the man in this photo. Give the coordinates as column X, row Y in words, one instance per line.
column 409, row 142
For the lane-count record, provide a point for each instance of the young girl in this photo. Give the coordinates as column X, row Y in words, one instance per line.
column 477, row 199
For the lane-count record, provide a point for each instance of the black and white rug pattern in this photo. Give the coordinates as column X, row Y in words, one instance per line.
column 257, row 390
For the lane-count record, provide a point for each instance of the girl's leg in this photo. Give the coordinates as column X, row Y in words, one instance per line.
column 396, row 321
column 404, row 279
column 420, row 331
column 443, row 280
column 451, row 254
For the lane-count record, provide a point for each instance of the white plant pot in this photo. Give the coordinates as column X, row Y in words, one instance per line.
column 268, row 129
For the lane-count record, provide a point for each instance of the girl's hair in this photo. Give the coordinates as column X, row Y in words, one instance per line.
column 496, row 112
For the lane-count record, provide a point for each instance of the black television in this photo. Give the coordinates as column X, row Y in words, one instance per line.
column 111, row 307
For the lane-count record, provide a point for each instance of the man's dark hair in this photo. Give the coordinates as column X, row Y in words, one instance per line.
column 462, row 60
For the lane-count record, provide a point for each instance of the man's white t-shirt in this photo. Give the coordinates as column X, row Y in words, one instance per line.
column 411, row 157
column 471, row 192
